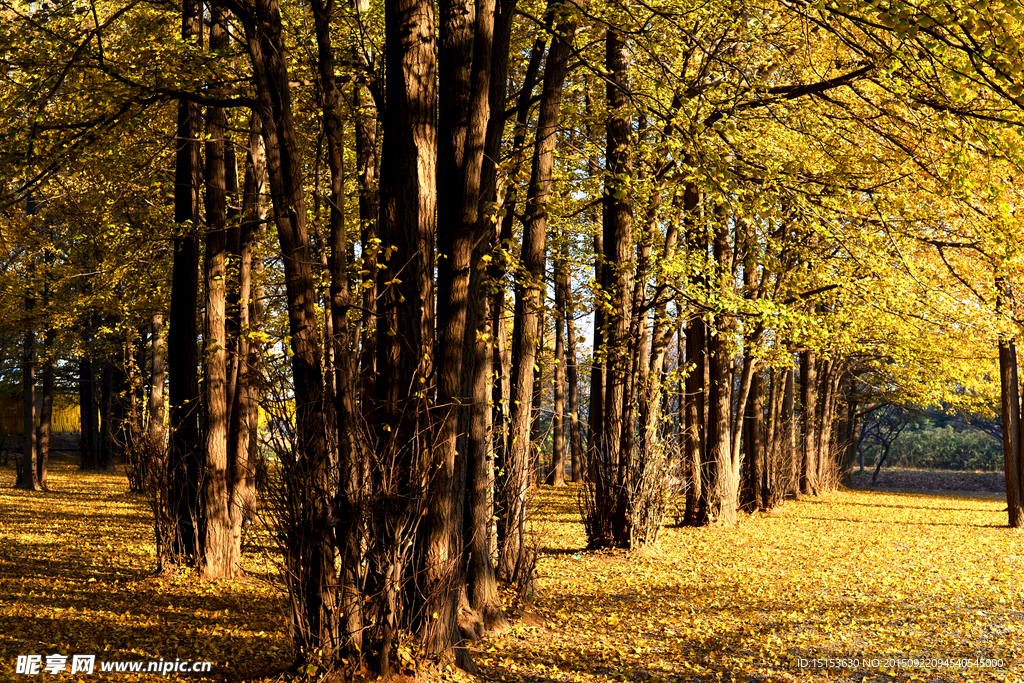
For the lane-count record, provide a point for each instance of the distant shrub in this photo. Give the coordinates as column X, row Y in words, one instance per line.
column 946, row 449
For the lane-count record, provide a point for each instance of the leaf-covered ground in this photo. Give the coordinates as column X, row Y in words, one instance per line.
column 870, row 580
column 75, row 567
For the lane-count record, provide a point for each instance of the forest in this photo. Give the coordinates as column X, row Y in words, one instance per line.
column 387, row 288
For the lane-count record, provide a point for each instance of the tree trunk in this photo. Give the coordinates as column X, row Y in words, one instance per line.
column 502, row 393
column 45, row 411
column 571, row 370
column 29, row 476
column 156, row 384
column 316, row 619
column 754, row 444
column 618, row 277
column 405, row 324
column 724, row 479
column 808, row 423
column 220, row 556
column 536, row 398
column 791, row 458
column 557, row 475
column 695, row 445
column 514, row 560
column 770, row 479
column 487, row 348
column 348, row 533
column 183, row 463
column 369, row 209
column 1011, row 412
column 832, row 372
column 651, row 407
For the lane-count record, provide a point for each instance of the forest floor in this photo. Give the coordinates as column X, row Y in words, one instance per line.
column 851, row 586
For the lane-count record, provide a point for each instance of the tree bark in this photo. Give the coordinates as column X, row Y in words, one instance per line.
column 791, row 457
column 576, row 447
column 724, row 479
column 405, row 286
column 502, row 392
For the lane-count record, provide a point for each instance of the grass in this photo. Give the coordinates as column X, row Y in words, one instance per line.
column 856, row 575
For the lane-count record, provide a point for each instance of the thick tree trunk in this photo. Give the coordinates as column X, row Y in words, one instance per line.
column 466, row 34
column 724, row 480
column 405, row 324
column 832, row 372
column 618, row 278
column 220, row 551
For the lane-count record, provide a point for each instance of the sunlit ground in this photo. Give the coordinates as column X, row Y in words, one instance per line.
column 74, row 579
column 888, row 586
column 871, row 581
